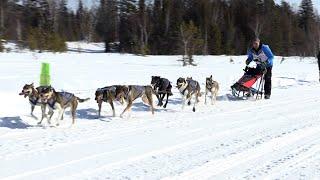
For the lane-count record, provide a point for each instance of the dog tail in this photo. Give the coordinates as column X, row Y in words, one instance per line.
column 82, row 100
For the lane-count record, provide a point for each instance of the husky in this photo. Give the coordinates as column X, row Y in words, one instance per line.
column 212, row 87
column 108, row 94
column 59, row 101
column 29, row 91
column 163, row 87
column 189, row 88
column 133, row 92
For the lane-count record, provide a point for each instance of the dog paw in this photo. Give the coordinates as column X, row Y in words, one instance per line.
column 189, row 103
column 194, row 109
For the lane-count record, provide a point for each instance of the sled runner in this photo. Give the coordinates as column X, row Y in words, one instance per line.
column 243, row 87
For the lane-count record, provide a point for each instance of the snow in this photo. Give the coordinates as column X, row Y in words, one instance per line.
column 233, row 139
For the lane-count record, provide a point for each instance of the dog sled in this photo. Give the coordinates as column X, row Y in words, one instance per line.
column 243, row 88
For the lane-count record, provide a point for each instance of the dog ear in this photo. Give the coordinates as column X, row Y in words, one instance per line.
column 32, row 84
column 211, row 77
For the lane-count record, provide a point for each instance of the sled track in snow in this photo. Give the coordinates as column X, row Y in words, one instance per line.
column 174, row 151
column 123, row 132
column 157, row 152
column 215, row 167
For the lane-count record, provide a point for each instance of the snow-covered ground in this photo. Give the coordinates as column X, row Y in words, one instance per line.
column 233, row 139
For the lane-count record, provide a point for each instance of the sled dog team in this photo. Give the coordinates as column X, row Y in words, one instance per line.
column 48, row 97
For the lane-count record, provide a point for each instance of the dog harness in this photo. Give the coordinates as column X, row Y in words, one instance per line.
column 163, row 86
column 137, row 91
column 67, row 97
column 105, row 91
column 193, row 84
column 33, row 101
column 184, row 91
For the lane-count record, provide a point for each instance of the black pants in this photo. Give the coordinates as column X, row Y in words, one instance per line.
column 267, row 81
column 319, row 62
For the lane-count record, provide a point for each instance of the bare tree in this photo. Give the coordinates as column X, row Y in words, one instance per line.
column 144, row 35
column 191, row 41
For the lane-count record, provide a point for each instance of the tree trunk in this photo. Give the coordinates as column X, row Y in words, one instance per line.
column 1, row 18
column 185, row 56
column 19, row 34
column 205, row 46
column 167, row 20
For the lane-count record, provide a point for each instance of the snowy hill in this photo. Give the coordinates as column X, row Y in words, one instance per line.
column 273, row 139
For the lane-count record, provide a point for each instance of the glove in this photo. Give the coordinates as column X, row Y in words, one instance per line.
column 248, row 62
column 257, row 60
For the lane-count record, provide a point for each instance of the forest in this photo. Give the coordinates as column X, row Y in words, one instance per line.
column 164, row 27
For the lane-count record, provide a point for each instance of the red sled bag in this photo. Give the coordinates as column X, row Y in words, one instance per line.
column 245, row 83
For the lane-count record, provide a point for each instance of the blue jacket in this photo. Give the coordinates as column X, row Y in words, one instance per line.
column 264, row 54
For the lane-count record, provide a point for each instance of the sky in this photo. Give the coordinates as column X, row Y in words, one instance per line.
column 294, row 3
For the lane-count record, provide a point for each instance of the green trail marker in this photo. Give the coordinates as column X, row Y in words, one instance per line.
column 45, row 74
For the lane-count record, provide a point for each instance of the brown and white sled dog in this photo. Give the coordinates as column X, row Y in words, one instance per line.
column 189, row 88
column 59, row 101
column 212, row 87
column 108, row 94
column 133, row 92
column 29, row 91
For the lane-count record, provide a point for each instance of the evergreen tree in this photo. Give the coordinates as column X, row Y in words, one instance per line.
column 80, row 20
column 107, row 24
column 154, row 27
column 127, row 38
column 306, row 15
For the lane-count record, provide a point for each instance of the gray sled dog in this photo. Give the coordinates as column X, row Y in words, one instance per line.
column 212, row 87
column 133, row 92
column 189, row 88
column 108, row 94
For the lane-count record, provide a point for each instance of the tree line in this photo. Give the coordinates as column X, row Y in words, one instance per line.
column 164, row 27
